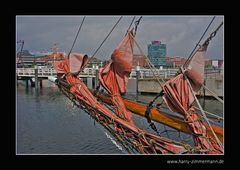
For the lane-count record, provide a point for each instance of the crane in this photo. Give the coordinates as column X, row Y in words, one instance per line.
column 19, row 54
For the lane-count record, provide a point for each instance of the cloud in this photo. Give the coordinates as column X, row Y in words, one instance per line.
column 180, row 33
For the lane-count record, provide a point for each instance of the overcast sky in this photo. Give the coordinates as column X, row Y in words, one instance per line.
column 180, row 33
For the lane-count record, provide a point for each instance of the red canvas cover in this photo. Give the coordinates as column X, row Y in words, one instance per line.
column 179, row 98
column 114, row 76
column 82, row 93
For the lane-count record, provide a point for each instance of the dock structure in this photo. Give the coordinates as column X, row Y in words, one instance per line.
column 91, row 72
column 34, row 75
column 146, row 83
column 38, row 74
column 45, row 72
column 213, row 80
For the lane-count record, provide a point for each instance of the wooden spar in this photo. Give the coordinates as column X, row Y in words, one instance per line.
column 167, row 119
column 160, row 117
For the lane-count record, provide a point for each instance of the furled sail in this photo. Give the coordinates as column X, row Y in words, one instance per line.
column 88, row 101
column 114, row 77
column 69, row 68
column 80, row 90
column 179, row 97
column 195, row 68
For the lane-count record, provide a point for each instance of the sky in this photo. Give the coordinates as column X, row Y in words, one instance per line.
column 179, row 33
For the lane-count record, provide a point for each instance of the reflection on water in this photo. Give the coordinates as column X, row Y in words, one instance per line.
column 47, row 123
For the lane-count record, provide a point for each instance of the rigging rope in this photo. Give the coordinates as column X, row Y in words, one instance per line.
column 190, row 56
column 130, row 25
column 206, row 42
column 214, row 95
column 136, row 25
column 212, row 114
column 76, row 37
column 18, row 48
column 213, row 34
column 104, row 40
column 149, row 63
column 203, row 113
column 151, row 66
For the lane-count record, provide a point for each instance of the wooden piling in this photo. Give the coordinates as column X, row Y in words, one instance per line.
column 36, row 77
column 40, row 83
column 137, row 77
column 96, row 79
column 26, row 82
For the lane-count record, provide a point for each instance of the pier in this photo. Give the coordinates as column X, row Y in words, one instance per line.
column 39, row 74
column 213, row 80
column 146, row 83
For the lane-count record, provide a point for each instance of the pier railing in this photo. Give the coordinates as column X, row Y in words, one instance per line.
column 171, row 72
column 147, row 73
column 30, row 72
column 45, row 72
column 214, row 72
column 91, row 72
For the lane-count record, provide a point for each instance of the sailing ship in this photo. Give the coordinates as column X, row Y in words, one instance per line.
column 112, row 111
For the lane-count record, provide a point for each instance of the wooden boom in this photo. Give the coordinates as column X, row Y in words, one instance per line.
column 160, row 117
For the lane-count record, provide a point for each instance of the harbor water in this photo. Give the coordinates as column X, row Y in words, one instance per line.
column 48, row 123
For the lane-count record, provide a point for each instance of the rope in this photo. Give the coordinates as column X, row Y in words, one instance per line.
column 214, row 95
column 130, row 25
column 190, row 56
column 204, row 115
column 150, row 106
column 18, row 48
column 19, row 54
column 136, row 25
column 126, row 141
column 92, row 112
column 148, row 111
column 212, row 34
column 104, row 40
column 76, row 36
column 185, row 139
column 219, row 117
column 165, row 129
